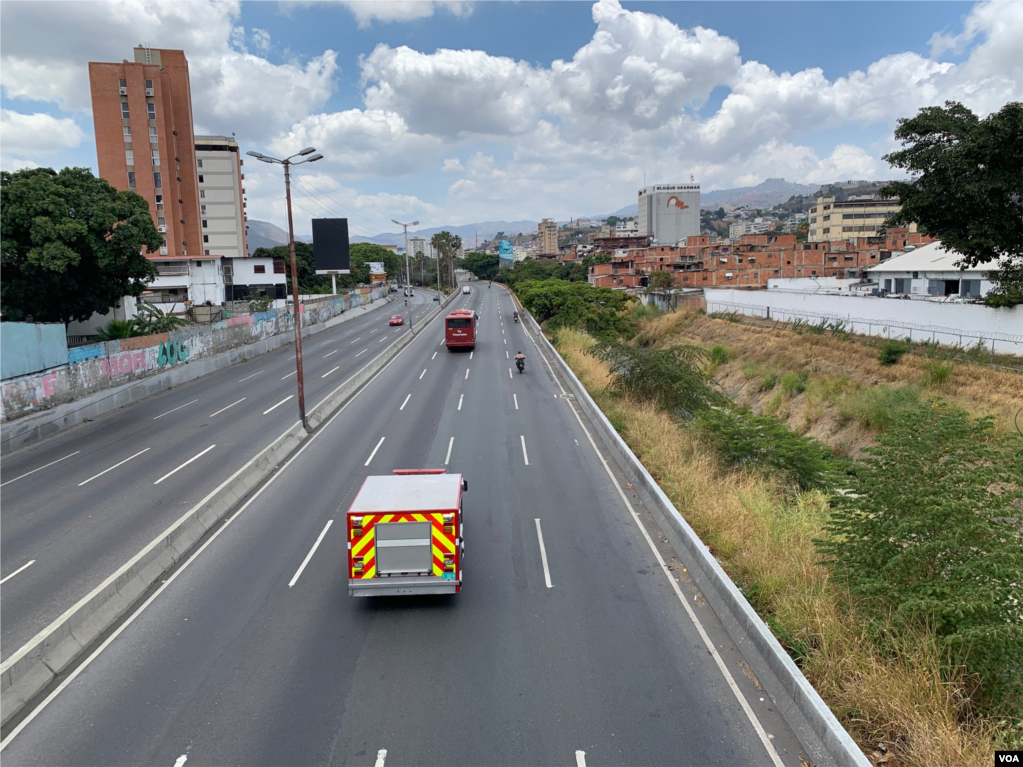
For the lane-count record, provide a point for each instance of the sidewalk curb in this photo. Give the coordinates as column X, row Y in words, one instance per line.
column 28, row 671
column 816, row 727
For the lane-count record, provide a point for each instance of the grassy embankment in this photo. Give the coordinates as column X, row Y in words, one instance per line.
column 764, row 533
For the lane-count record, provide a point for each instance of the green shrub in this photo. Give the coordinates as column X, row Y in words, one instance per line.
column 557, row 304
column 794, row 383
column 938, row 373
column 892, row 351
column 768, row 382
column 260, row 303
column 671, row 378
column 878, row 407
column 116, row 329
column 929, row 532
column 768, row 445
column 719, row 355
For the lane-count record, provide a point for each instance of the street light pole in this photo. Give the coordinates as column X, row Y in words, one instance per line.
column 408, row 270
column 287, row 163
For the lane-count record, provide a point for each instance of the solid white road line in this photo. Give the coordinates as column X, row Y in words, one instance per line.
column 447, row 458
column 289, row 375
column 509, row 373
column 330, row 371
column 180, row 761
column 543, row 556
column 177, row 408
column 196, row 458
column 764, row 739
column 225, row 408
column 90, row 479
column 516, row 398
column 309, row 556
column 251, row 376
column 466, row 375
column 29, row 564
column 357, row 339
column 362, row 352
column 525, row 455
column 40, row 468
column 374, row 451
column 434, row 355
column 460, row 401
column 405, row 402
column 580, row 759
column 329, row 353
column 381, row 756
column 279, row 404
column 422, row 374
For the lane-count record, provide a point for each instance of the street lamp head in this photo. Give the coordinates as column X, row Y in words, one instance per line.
column 397, row 222
column 307, row 150
column 315, row 157
column 414, row 223
column 257, row 155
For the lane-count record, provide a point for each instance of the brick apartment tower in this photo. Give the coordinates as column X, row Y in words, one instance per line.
column 142, row 113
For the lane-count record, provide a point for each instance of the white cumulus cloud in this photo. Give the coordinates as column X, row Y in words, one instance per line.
column 27, row 136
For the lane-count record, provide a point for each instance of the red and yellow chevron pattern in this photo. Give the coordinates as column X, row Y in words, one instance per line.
column 364, row 544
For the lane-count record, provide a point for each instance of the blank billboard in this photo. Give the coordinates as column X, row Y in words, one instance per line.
column 330, row 246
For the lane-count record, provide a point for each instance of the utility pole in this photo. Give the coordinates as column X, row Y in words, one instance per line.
column 287, row 163
column 408, row 271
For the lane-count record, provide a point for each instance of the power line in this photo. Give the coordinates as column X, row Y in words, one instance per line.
column 351, row 224
column 367, row 218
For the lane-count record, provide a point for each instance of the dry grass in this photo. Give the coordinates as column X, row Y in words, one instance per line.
column 765, row 540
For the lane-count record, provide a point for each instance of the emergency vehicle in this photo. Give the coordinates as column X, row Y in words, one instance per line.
column 405, row 534
column 460, row 329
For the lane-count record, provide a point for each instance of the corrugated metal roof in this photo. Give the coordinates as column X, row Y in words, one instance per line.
column 416, row 492
column 932, row 257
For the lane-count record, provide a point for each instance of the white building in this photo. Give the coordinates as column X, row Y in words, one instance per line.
column 931, row 270
column 627, row 228
column 419, row 246
column 669, row 212
column 757, row 226
column 214, row 281
column 221, row 196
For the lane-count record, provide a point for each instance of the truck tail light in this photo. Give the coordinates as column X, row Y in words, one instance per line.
column 357, row 565
column 449, row 563
column 449, row 524
column 357, row 527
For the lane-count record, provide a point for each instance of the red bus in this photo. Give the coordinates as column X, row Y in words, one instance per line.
column 460, row 329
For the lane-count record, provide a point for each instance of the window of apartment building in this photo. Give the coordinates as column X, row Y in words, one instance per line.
column 205, row 252
column 278, row 266
column 131, row 180
column 158, row 180
column 129, row 157
column 161, row 221
column 125, row 114
column 127, row 134
column 155, row 155
column 848, row 258
column 122, row 83
column 202, row 193
column 738, row 260
column 159, row 202
column 198, row 163
column 201, row 179
column 205, row 238
column 259, row 268
column 827, row 218
column 149, row 85
column 151, row 109
column 827, row 231
column 813, row 271
column 202, row 209
column 154, row 136
column 205, row 224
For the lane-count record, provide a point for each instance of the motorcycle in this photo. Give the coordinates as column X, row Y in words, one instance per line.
column 515, row 316
column 521, row 365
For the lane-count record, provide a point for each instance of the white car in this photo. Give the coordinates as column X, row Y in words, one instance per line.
column 465, row 290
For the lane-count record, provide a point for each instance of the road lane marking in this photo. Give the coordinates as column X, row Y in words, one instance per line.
column 472, row 353
column 40, row 468
column 309, row 556
column 543, row 556
column 506, row 340
column 279, row 404
column 383, row 340
column 502, row 331
column 362, row 352
column 381, row 756
column 460, row 401
column 180, row 762
column 405, row 402
column 225, row 408
column 251, row 376
column 289, row 375
column 195, row 458
column 175, row 409
column 422, row 374
column 509, row 373
column 466, row 375
column 374, row 451
column 506, row 354
column 330, row 371
column 24, row 566
column 447, row 458
column 90, row 479
column 516, row 398
column 357, row 339
column 525, row 455
column 580, row 759
column 329, row 353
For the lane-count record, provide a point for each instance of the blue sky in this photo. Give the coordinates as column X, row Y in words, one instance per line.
column 458, row 112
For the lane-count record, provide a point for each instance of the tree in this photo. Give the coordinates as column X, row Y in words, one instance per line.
column 558, row 303
column 483, row 266
column 308, row 280
column 71, row 245
column 612, row 221
column 967, row 179
column 446, row 245
column 659, row 280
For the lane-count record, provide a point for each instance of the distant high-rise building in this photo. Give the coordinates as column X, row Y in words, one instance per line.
column 862, row 216
column 669, row 212
column 221, row 196
column 548, row 235
column 142, row 113
column 418, row 246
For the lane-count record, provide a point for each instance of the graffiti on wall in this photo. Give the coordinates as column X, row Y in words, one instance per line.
column 171, row 354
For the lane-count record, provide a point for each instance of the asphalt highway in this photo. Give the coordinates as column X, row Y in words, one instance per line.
column 577, row 650
column 83, row 502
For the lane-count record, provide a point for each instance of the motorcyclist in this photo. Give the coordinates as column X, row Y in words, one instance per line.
column 520, row 361
column 515, row 316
